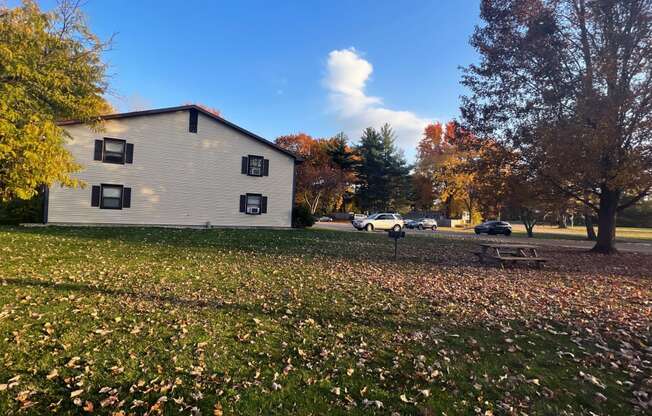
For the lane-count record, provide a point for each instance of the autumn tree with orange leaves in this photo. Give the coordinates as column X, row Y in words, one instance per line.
column 569, row 84
column 462, row 171
column 327, row 171
column 443, row 172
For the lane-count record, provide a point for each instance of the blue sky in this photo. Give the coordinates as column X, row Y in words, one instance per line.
column 282, row 67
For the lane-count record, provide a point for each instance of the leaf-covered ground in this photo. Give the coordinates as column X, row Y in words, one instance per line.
column 135, row 321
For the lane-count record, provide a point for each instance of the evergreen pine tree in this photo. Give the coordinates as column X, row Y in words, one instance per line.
column 383, row 172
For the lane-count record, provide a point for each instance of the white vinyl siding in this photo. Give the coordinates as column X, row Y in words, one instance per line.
column 177, row 178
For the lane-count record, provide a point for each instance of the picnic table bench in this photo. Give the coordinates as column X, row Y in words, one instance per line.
column 509, row 253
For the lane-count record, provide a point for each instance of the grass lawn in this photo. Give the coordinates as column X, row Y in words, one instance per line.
column 164, row 321
column 623, row 234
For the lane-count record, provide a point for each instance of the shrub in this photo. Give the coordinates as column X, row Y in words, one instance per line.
column 302, row 217
column 18, row 211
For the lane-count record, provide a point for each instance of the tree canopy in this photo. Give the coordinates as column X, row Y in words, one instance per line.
column 383, row 172
column 569, row 84
column 327, row 171
column 50, row 69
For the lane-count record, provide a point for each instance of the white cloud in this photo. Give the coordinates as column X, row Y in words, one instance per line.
column 346, row 78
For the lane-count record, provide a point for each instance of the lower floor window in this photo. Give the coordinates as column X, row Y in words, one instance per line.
column 254, row 204
column 111, row 197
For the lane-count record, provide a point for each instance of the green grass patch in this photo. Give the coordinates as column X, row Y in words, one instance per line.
column 104, row 320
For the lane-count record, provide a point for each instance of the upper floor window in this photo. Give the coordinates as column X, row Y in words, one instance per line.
column 114, row 151
column 255, row 166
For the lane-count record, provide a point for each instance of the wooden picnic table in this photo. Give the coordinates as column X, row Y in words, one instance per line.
column 509, row 253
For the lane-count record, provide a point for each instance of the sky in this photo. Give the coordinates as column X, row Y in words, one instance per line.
column 283, row 67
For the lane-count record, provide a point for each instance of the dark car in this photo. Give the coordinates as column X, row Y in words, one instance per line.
column 411, row 224
column 494, row 227
column 422, row 224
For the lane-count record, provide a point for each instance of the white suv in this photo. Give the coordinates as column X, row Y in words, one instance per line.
column 381, row 221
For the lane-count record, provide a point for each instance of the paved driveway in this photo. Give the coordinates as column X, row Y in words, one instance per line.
column 639, row 247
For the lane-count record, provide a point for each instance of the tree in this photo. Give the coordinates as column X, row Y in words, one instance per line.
column 527, row 194
column 396, row 169
column 300, row 144
column 382, row 172
column 431, row 151
column 424, row 195
column 569, row 84
column 341, row 154
column 326, row 172
column 50, row 69
column 345, row 159
column 462, row 170
column 372, row 192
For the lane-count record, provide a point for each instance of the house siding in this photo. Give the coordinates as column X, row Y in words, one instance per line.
column 177, row 177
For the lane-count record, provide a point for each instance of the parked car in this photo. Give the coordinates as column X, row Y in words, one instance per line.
column 358, row 217
column 494, row 227
column 325, row 219
column 422, row 224
column 411, row 224
column 380, row 221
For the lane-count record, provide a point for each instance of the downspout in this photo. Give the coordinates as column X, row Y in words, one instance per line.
column 294, row 190
column 46, row 202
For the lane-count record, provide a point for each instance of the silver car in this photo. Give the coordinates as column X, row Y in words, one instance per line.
column 381, row 221
column 426, row 224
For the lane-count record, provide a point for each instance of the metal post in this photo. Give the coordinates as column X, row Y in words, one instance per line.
column 395, row 249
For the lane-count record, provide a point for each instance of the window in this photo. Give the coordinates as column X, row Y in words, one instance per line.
column 114, row 151
column 111, row 197
column 386, row 217
column 254, row 204
column 192, row 122
column 255, row 166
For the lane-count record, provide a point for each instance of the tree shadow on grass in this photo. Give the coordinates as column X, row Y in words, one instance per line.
column 389, row 322
column 310, row 242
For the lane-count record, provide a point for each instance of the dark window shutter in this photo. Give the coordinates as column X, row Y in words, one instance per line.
column 192, row 125
column 99, row 144
column 130, row 153
column 95, row 196
column 245, row 165
column 265, row 167
column 126, row 198
column 263, row 205
column 243, row 203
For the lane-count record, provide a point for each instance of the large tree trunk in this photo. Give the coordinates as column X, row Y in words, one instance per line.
column 607, row 222
column 529, row 222
column 561, row 219
column 588, row 219
column 529, row 227
column 590, row 231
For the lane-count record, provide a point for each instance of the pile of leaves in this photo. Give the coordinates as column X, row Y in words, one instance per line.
column 153, row 321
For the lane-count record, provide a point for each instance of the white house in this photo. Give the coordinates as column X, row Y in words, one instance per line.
column 174, row 166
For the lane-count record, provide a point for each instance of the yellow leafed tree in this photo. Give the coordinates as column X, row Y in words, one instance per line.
column 50, row 69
